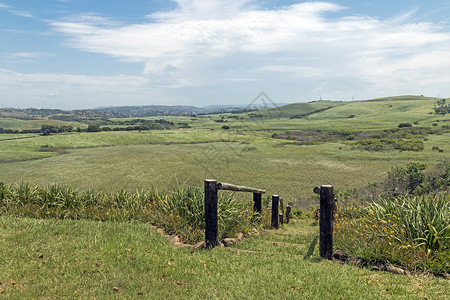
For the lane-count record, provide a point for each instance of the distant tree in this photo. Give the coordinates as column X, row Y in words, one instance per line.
column 65, row 128
column 49, row 129
column 441, row 107
column 93, row 128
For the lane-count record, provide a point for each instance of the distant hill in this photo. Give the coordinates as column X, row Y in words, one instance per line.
column 124, row 111
column 385, row 106
column 311, row 110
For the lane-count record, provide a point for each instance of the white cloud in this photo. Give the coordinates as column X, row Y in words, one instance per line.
column 70, row 91
column 21, row 13
column 16, row 12
column 216, row 29
column 11, row 77
column 301, row 49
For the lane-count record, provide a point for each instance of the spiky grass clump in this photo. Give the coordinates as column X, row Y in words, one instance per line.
column 413, row 232
column 180, row 212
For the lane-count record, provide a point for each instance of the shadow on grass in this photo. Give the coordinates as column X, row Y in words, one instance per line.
column 311, row 249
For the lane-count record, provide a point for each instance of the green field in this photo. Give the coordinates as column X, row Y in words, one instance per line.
column 245, row 154
column 131, row 257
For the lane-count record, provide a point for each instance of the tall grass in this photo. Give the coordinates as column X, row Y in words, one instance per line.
column 423, row 220
column 412, row 232
column 180, row 212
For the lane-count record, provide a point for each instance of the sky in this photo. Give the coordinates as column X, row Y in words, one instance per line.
column 74, row 54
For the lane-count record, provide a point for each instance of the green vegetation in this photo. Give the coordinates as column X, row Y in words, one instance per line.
column 403, row 138
column 180, row 212
column 69, row 180
column 410, row 232
column 442, row 107
column 126, row 260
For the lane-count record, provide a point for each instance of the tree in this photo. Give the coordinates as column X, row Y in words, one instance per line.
column 93, row 128
column 49, row 129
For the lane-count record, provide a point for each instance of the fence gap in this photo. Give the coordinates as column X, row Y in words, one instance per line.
column 257, row 203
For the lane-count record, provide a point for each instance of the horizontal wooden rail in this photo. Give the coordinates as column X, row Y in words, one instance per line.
column 238, row 188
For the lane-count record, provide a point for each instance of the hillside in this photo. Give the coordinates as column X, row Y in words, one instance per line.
column 343, row 109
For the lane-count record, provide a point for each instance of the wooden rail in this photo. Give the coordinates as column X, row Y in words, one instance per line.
column 238, row 188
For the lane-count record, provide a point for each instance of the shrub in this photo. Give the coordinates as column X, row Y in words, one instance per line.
column 402, row 125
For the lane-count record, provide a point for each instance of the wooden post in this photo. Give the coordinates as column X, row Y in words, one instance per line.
column 326, row 221
column 280, row 218
column 257, row 206
column 211, row 213
column 275, row 200
column 288, row 213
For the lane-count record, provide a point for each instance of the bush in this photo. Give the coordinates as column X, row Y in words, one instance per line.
column 402, row 125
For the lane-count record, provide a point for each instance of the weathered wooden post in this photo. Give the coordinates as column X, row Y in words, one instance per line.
column 275, row 201
column 211, row 213
column 257, row 204
column 288, row 213
column 326, row 221
column 280, row 218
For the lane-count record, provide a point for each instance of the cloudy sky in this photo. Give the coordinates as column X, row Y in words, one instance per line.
column 82, row 53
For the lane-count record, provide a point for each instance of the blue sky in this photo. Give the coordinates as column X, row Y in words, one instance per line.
column 73, row 54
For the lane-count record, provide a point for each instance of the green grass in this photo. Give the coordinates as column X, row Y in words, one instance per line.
column 17, row 124
column 87, row 259
column 291, row 171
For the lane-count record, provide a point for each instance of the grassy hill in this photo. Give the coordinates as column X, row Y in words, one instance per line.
column 373, row 114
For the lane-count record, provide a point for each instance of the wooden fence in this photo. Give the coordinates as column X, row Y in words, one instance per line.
column 327, row 207
column 211, row 188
